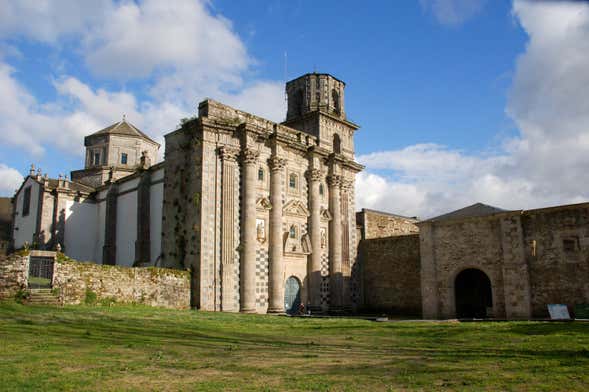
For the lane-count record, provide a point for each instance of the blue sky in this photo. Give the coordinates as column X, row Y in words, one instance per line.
column 459, row 101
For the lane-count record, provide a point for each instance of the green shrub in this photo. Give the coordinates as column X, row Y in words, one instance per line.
column 90, row 298
column 21, row 296
column 109, row 301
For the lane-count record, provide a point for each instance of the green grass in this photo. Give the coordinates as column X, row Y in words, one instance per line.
column 141, row 348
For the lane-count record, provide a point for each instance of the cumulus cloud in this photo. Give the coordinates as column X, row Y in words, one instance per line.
column 179, row 52
column 10, row 180
column 545, row 165
column 453, row 12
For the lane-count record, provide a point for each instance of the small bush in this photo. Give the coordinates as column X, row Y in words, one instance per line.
column 22, row 296
column 90, row 298
column 109, row 301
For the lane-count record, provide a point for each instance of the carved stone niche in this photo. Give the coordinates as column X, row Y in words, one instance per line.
column 296, row 243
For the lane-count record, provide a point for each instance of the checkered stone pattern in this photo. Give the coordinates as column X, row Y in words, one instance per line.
column 324, row 289
column 261, row 277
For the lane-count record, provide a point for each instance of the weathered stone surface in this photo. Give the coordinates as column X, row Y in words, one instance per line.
column 390, row 270
column 377, row 224
column 13, row 275
column 150, row 286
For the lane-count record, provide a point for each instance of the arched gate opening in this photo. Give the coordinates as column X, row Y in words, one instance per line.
column 473, row 293
column 292, row 295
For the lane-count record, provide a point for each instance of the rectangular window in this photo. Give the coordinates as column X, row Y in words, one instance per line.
column 124, row 158
column 26, row 203
column 96, row 158
column 569, row 244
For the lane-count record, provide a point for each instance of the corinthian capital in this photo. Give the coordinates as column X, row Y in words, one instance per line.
column 334, row 180
column 228, row 154
column 249, row 156
column 314, row 174
column 276, row 163
column 346, row 184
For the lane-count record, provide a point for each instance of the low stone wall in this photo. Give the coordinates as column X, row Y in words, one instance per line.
column 391, row 275
column 13, row 275
column 76, row 282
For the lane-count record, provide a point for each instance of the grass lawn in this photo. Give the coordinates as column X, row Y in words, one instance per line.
column 141, row 348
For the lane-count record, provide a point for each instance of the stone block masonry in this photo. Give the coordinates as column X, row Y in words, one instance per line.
column 150, row 286
column 72, row 280
column 13, row 275
column 391, row 275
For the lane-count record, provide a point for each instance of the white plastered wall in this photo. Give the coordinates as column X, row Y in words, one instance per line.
column 80, row 230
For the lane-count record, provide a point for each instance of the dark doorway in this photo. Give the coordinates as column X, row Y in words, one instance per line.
column 40, row 272
column 474, row 295
column 292, row 295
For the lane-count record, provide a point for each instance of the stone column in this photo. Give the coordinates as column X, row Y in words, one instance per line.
column 314, row 260
column 276, row 264
column 229, row 159
column 247, row 278
column 335, row 245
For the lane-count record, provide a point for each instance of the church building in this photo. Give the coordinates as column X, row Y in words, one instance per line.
column 262, row 213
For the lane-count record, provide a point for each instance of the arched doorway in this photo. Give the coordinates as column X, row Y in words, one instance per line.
column 292, row 295
column 473, row 293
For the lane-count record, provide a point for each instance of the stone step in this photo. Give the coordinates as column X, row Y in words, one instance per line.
column 42, row 297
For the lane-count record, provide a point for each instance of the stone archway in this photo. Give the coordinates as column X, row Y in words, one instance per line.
column 292, row 295
column 473, row 294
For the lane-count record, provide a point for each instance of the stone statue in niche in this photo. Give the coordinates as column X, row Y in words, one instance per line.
column 261, row 230
column 323, row 239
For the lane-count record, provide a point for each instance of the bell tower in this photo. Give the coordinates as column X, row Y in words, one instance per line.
column 316, row 106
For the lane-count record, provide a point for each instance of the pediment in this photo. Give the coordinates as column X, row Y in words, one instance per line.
column 325, row 214
column 295, row 208
column 263, row 204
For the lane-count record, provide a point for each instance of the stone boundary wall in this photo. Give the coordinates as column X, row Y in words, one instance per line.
column 13, row 275
column 75, row 281
column 391, row 275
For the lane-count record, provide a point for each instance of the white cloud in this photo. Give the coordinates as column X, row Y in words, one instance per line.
column 453, row 12
column 10, row 180
column 180, row 51
column 546, row 165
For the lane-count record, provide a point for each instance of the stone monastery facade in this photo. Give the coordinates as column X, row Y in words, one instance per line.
column 262, row 213
column 263, row 216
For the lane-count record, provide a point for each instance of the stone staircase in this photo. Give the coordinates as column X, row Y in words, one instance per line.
column 42, row 297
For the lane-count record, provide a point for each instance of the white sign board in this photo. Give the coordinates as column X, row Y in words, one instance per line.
column 558, row 312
